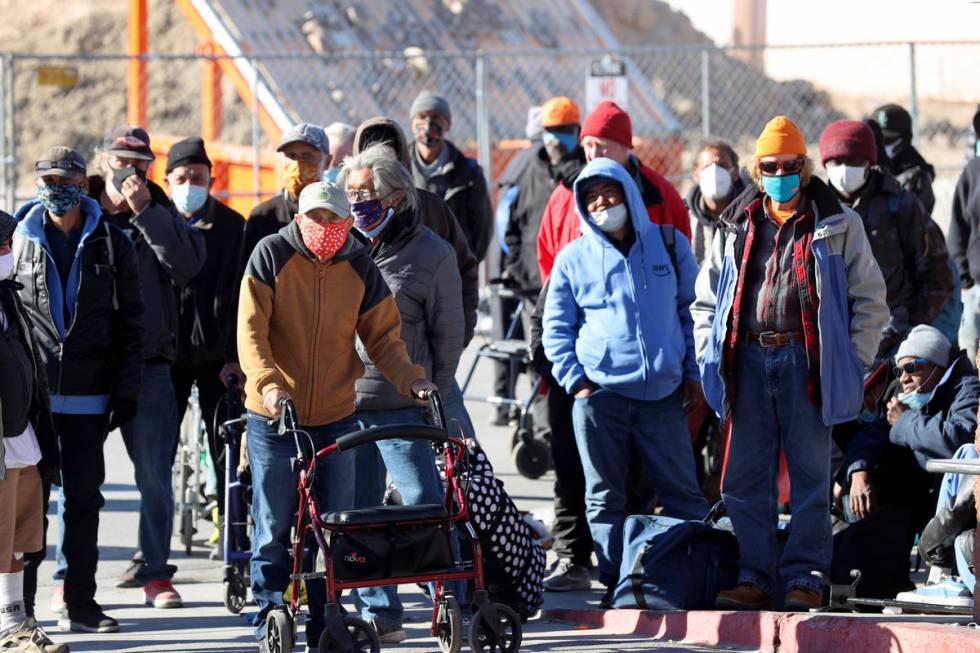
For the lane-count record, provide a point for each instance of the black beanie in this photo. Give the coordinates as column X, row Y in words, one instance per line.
column 187, row 151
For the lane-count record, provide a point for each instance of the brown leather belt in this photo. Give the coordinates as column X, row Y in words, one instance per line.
column 775, row 338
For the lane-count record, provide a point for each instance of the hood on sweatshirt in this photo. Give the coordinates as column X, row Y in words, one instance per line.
column 608, row 169
column 382, row 130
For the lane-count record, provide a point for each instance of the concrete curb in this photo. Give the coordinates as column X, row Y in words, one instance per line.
column 779, row 631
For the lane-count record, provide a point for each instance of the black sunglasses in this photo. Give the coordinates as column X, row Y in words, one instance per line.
column 787, row 167
column 909, row 368
column 64, row 164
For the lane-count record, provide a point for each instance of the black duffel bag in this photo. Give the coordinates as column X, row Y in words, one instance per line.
column 390, row 552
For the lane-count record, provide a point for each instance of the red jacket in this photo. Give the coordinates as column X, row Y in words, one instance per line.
column 560, row 222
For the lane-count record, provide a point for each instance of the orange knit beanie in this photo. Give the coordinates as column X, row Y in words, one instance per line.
column 781, row 136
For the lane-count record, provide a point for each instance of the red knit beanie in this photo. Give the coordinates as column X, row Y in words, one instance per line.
column 843, row 138
column 608, row 121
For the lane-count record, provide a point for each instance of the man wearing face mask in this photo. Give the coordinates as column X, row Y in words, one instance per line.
column 617, row 330
column 911, row 255
column 305, row 151
column 789, row 311
column 716, row 183
column 439, row 166
column 169, row 252
column 206, row 349
column 308, row 293
column 341, row 138
column 81, row 292
column 904, row 161
column 420, row 269
column 930, row 414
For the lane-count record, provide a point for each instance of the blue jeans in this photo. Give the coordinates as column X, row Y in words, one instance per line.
column 772, row 406
column 455, row 408
column 607, row 427
column 274, row 503
column 947, row 493
column 151, row 440
column 411, row 465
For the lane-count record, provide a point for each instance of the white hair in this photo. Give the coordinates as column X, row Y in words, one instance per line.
column 389, row 173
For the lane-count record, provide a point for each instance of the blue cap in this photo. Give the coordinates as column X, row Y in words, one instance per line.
column 307, row 133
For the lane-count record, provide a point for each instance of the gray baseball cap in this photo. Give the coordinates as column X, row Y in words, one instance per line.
column 308, row 133
column 60, row 160
column 324, row 195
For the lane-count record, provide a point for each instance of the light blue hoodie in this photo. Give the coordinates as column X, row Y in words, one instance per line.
column 622, row 322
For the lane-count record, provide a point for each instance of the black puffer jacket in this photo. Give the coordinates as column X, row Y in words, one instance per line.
column 912, row 257
column 915, row 175
column 206, row 304
column 168, row 252
column 101, row 351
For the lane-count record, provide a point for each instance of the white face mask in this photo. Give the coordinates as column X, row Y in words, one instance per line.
column 6, row 266
column 847, row 179
column 610, row 220
column 715, row 182
column 891, row 148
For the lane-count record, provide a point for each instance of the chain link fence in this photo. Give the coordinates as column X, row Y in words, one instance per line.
column 677, row 96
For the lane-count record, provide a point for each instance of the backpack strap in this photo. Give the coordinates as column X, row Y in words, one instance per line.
column 111, row 249
column 670, row 242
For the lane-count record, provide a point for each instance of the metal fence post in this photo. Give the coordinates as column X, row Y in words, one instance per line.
column 10, row 162
column 3, row 132
column 256, row 132
column 705, row 93
column 913, row 95
column 483, row 118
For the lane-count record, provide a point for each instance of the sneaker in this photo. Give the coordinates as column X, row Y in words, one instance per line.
column 30, row 638
column 501, row 416
column 745, row 596
column 87, row 619
column 950, row 592
column 389, row 633
column 568, row 577
column 161, row 594
column 58, row 599
column 128, row 577
column 802, row 599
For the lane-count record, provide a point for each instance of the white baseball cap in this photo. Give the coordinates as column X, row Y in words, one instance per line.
column 324, row 195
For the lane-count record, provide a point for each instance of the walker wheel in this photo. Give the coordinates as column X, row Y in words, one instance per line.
column 532, row 458
column 235, row 593
column 279, row 636
column 503, row 635
column 363, row 639
column 449, row 625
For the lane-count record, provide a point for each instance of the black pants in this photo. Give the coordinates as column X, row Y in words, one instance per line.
column 501, row 310
column 83, row 470
column 573, row 540
column 210, row 390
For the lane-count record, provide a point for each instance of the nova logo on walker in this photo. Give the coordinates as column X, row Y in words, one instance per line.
column 355, row 557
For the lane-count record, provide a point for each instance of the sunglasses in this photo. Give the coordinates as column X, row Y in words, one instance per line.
column 909, row 368
column 786, row 167
column 64, row 164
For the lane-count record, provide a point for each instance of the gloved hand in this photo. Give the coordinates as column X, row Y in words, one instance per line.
column 121, row 411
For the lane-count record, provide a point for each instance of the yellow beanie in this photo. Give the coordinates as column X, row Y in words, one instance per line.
column 781, row 136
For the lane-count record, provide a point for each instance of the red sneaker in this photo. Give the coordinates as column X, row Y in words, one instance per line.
column 161, row 594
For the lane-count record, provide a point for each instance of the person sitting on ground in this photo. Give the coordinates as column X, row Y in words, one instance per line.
column 617, row 329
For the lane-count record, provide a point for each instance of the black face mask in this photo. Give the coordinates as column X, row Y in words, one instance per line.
column 119, row 175
column 429, row 134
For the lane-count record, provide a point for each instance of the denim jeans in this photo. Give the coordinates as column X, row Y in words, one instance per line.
column 607, row 425
column 274, row 502
column 947, row 494
column 970, row 322
column 151, row 439
column 772, row 406
column 455, row 408
column 411, row 465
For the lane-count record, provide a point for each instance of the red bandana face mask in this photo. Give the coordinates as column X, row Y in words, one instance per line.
column 324, row 240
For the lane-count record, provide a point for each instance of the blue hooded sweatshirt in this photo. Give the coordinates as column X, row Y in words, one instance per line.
column 622, row 322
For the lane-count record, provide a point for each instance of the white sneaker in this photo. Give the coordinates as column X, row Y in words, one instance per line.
column 950, row 592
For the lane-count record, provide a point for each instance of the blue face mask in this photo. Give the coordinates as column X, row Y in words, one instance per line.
column 566, row 141
column 188, row 198
column 374, row 233
column 331, row 174
column 914, row 400
column 59, row 199
column 782, row 188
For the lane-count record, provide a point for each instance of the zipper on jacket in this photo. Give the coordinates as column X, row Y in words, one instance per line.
column 61, row 364
column 320, row 269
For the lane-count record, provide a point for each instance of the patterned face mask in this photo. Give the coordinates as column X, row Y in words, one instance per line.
column 297, row 175
column 59, row 199
column 324, row 240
